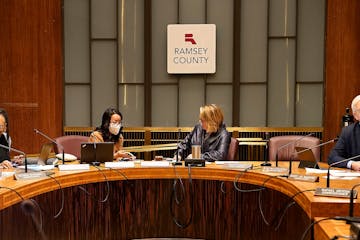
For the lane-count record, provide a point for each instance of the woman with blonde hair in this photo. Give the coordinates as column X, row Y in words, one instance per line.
column 210, row 133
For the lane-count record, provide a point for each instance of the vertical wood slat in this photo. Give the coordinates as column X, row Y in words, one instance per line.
column 31, row 69
column 147, row 63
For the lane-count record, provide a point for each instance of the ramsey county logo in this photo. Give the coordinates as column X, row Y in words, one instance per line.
column 189, row 38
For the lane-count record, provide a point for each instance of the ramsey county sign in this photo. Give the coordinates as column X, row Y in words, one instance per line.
column 191, row 48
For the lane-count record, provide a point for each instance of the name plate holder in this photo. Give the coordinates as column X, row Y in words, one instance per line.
column 238, row 166
column 334, row 192
column 195, row 162
column 275, row 169
column 303, row 178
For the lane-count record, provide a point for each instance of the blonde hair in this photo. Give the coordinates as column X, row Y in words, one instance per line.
column 213, row 116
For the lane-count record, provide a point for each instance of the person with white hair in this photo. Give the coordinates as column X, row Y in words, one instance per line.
column 348, row 144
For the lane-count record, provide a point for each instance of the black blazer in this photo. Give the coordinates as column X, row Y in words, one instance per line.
column 4, row 153
column 347, row 146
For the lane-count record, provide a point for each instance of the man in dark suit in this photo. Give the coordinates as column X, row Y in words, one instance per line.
column 348, row 144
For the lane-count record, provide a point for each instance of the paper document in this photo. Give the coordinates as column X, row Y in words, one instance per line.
column 37, row 167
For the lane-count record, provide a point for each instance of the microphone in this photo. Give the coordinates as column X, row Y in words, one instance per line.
column 266, row 162
column 53, row 141
column 289, row 143
column 177, row 162
column 321, row 144
column 17, row 151
column 304, row 163
column 336, row 163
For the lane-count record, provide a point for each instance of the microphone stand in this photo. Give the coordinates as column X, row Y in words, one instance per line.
column 18, row 151
column 53, row 141
column 287, row 144
column 266, row 162
column 336, row 163
column 351, row 205
column 177, row 162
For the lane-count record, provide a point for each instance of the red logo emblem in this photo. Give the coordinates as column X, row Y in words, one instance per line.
column 189, row 38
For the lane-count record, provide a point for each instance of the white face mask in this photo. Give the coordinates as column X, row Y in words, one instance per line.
column 114, row 128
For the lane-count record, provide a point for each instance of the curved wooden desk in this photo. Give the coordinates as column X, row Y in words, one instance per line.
column 138, row 204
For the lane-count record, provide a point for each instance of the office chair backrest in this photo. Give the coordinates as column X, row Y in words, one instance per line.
column 233, row 149
column 71, row 144
column 287, row 144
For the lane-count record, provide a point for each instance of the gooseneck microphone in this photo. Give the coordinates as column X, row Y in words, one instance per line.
column 177, row 162
column 320, row 145
column 266, row 162
column 287, row 144
column 17, row 151
column 336, row 163
column 309, row 149
column 53, row 141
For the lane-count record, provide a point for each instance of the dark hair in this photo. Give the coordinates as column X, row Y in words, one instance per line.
column 105, row 123
column 5, row 115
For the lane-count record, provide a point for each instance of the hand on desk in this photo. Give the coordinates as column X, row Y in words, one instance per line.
column 122, row 154
column 355, row 166
column 17, row 160
column 5, row 164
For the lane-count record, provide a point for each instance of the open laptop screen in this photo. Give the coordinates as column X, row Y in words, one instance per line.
column 97, row 152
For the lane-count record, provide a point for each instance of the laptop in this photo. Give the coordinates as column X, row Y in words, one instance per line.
column 43, row 157
column 97, row 152
column 306, row 157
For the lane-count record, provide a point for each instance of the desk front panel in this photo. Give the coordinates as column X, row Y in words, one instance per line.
column 141, row 209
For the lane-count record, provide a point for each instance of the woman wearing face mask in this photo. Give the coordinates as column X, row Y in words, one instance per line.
column 4, row 140
column 111, row 131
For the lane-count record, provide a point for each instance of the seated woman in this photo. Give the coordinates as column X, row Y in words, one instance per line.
column 111, row 131
column 4, row 140
column 210, row 133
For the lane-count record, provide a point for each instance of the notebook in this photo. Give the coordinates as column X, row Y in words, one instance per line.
column 97, row 152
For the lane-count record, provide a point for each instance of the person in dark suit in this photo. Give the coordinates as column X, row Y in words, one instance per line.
column 4, row 140
column 210, row 133
column 348, row 144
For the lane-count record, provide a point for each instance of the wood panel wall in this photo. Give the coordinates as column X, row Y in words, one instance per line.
column 342, row 70
column 31, row 70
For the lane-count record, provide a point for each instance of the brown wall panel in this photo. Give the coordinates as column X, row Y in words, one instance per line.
column 342, row 71
column 31, row 69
